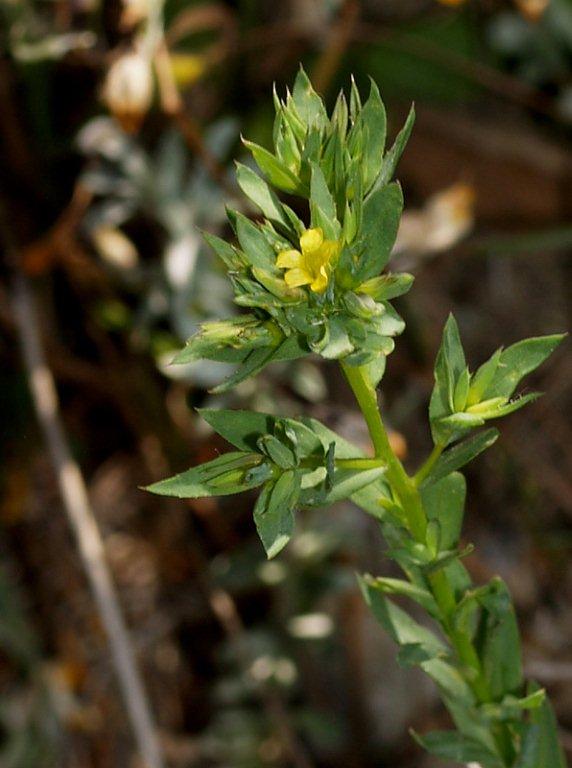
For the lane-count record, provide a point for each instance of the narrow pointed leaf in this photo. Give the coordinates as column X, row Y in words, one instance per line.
column 459, row 455
column 261, row 194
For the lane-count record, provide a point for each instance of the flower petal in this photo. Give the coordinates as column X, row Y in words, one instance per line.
column 330, row 250
column 320, row 283
column 289, row 259
column 295, row 277
column 311, row 240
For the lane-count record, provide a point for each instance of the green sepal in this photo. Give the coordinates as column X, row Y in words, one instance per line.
column 227, row 474
column 388, row 286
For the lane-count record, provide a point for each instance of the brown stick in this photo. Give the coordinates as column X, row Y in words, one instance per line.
column 81, row 517
column 339, row 38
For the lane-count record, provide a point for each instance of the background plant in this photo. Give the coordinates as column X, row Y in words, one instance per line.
column 316, row 287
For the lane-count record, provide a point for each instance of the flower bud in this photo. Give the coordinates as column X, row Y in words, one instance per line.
column 128, row 90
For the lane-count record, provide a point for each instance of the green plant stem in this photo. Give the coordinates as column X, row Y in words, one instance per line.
column 400, row 482
column 428, row 465
column 407, row 490
column 359, row 463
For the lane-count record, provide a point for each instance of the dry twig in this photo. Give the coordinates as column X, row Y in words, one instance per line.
column 81, row 518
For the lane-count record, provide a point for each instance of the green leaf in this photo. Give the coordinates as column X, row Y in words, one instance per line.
column 461, row 390
column 256, row 248
column 482, row 378
column 224, row 251
column 411, row 655
column 261, row 195
column 449, row 680
column 472, row 723
column 252, row 364
column 375, row 369
column 388, row 286
column 519, row 360
column 392, row 158
column 403, row 588
column 368, row 497
column 500, row 644
column 461, row 454
column 229, row 340
column 444, row 501
column 512, row 707
column 275, row 171
column 222, row 476
column 273, row 513
column 372, row 120
column 541, row 747
column 458, row 422
column 446, row 558
column 277, row 452
column 309, row 105
column 380, row 222
column 496, row 408
column 450, row 745
column 449, row 366
column 344, row 484
column 255, row 361
column 398, row 624
column 322, row 205
column 240, row 428
column 243, row 429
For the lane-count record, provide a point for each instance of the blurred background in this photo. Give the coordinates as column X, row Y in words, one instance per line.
column 119, row 124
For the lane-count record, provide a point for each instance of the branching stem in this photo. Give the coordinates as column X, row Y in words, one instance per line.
column 406, row 489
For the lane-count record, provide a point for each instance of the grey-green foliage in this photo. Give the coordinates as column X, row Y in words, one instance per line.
column 471, row 647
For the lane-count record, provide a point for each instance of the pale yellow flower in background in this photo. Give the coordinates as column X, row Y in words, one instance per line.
column 312, row 264
column 187, row 68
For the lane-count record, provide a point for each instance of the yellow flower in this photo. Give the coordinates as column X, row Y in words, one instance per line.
column 312, row 264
